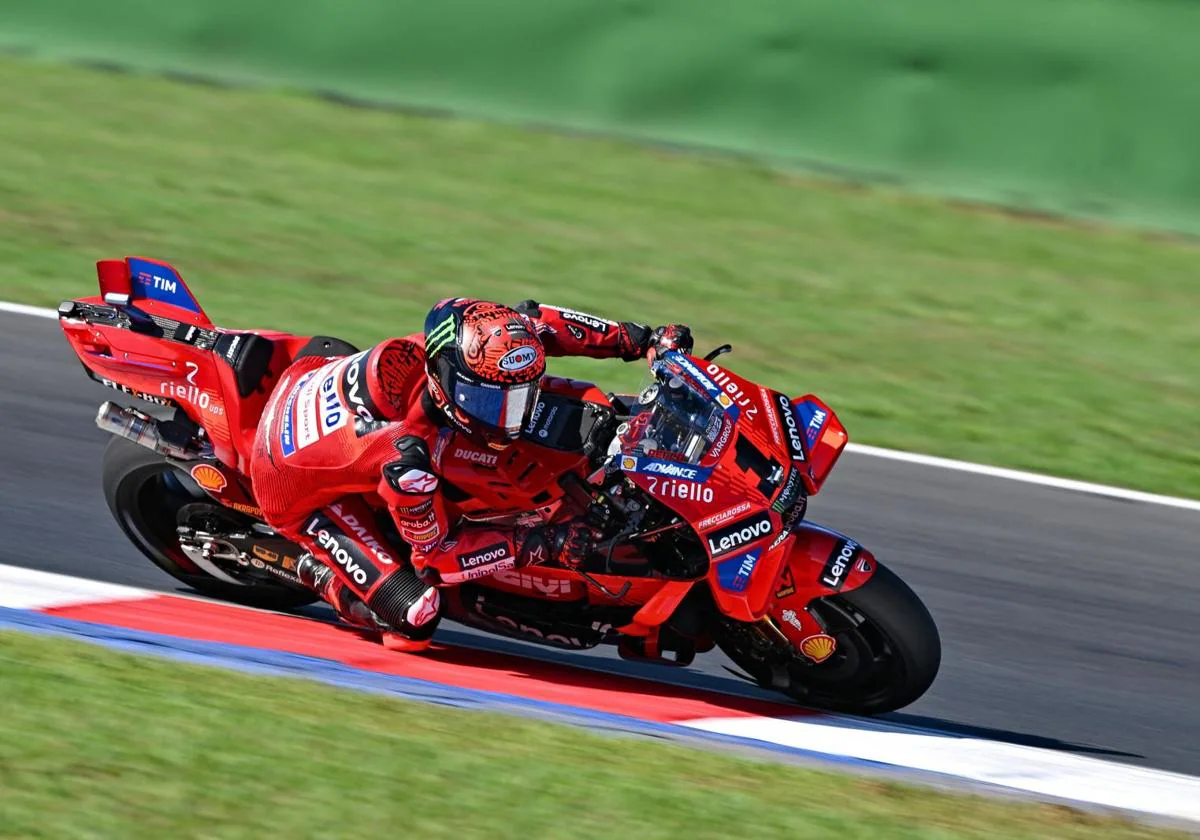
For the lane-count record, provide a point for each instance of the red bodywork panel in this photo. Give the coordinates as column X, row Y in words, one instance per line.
column 767, row 448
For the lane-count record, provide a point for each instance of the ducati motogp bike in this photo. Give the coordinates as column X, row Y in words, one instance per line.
column 698, row 486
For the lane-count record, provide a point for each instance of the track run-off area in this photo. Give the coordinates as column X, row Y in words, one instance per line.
column 1068, row 611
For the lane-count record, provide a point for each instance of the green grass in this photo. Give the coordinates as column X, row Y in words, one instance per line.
column 964, row 333
column 99, row 744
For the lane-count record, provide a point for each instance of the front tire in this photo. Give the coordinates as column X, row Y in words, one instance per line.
column 145, row 494
column 888, row 651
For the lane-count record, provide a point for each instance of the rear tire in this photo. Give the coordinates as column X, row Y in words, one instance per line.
column 887, row 656
column 144, row 492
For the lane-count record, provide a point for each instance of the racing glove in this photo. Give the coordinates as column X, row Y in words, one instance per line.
column 567, row 543
column 670, row 337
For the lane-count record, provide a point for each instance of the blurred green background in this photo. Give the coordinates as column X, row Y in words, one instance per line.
column 1085, row 107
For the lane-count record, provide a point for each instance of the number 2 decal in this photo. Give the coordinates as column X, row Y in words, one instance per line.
column 193, row 369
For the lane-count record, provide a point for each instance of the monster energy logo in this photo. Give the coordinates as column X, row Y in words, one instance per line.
column 439, row 337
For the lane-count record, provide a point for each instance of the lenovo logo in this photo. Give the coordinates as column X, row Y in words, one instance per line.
column 791, row 427
column 837, row 566
column 490, row 554
column 741, row 533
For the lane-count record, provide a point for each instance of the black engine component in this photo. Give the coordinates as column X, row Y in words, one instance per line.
column 570, row 425
column 665, row 544
column 566, row 624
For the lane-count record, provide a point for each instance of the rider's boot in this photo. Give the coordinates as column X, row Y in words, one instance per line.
column 419, row 620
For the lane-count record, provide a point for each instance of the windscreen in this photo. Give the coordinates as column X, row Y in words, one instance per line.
column 672, row 416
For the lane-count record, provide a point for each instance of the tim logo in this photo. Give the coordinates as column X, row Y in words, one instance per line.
column 159, row 284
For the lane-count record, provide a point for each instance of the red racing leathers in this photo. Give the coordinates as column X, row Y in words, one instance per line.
column 340, row 434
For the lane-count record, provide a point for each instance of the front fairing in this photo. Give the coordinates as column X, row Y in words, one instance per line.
column 726, row 493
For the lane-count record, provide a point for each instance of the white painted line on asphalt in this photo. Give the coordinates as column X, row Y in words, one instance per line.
column 1030, row 769
column 24, row 309
column 31, row 589
column 1026, row 477
column 897, row 455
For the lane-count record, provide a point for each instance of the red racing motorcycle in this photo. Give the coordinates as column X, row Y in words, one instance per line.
column 699, row 486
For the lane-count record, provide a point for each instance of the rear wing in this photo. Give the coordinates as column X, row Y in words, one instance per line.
column 134, row 279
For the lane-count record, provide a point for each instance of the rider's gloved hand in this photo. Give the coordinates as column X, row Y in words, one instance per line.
column 567, row 543
column 670, row 337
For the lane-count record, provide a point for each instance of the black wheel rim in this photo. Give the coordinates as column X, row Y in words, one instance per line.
column 863, row 672
column 150, row 502
column 158, row 500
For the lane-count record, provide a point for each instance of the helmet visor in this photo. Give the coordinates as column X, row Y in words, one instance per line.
column 502, row 408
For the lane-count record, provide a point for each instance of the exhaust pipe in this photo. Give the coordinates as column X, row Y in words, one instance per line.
column 140, row 428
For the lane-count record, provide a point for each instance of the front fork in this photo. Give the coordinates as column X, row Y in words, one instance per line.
column 822, row 562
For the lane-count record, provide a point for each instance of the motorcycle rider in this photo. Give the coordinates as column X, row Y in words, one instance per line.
column 379, row 423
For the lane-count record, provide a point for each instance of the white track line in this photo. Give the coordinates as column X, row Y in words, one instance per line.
column 1030, row 769
column 31, row 589
column 1026, row 477
column 896, row 455
column 24, row 309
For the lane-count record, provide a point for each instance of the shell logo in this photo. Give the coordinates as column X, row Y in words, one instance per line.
column 818, row 648
column 209, row 477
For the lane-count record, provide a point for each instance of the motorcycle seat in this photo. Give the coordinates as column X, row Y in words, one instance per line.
column 324, row 345
column 249, row 354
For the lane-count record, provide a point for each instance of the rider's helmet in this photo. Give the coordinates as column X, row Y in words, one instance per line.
column 484, row 362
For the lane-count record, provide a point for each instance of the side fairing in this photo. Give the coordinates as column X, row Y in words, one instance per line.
column 821, row 562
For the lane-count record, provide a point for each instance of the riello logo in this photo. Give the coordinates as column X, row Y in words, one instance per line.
column 187, row 393
column 725, row 383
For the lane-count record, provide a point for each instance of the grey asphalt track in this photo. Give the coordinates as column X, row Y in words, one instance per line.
column 1068, row 620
